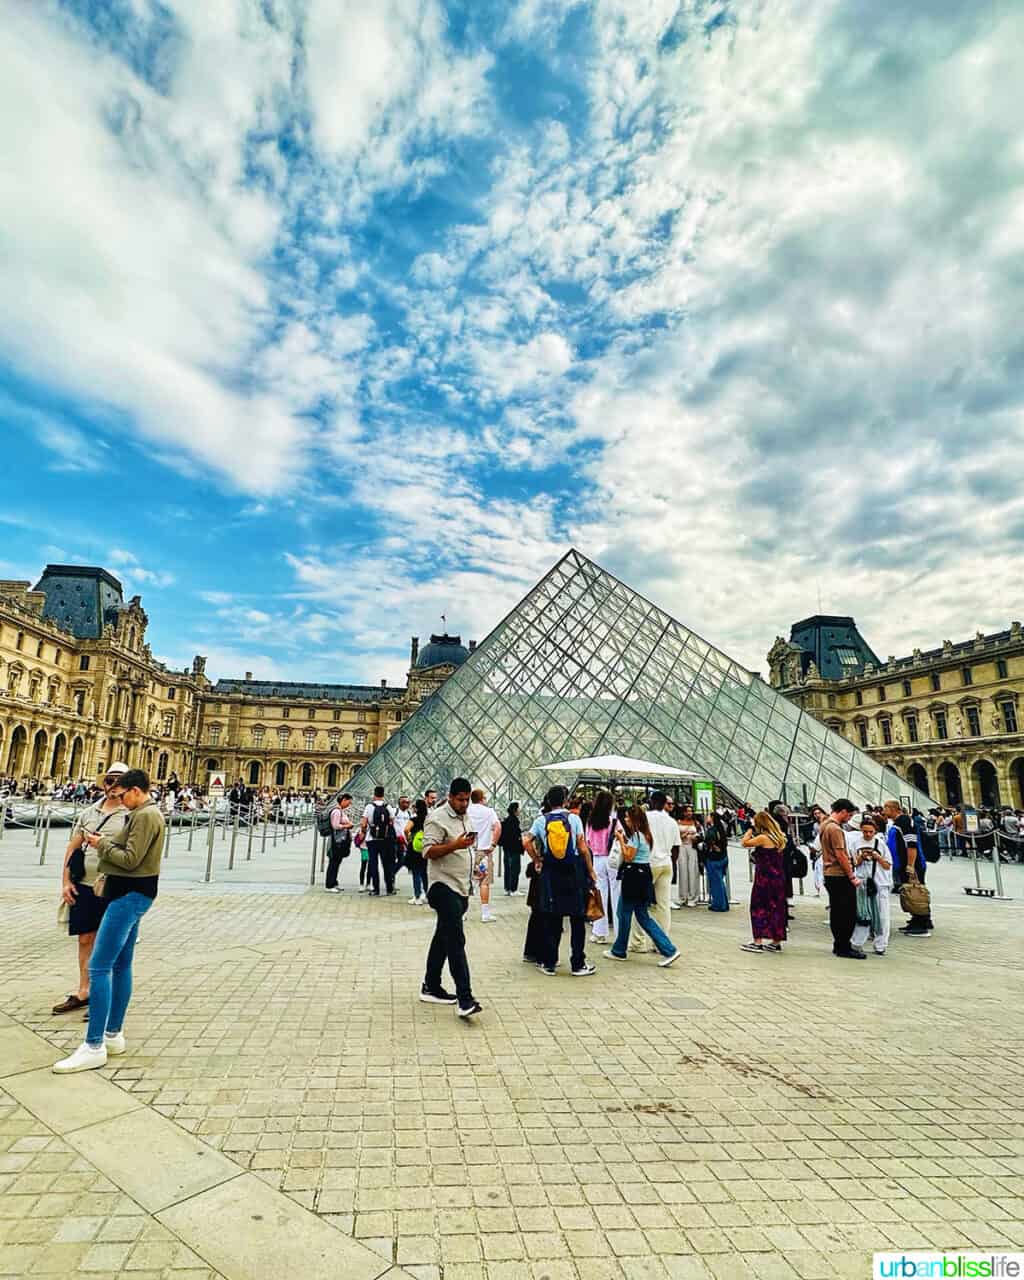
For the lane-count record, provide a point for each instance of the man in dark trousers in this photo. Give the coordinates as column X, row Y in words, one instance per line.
column 841, row 883
column 448, row 840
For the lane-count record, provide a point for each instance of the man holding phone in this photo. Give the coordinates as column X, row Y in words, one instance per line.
column 448, row 841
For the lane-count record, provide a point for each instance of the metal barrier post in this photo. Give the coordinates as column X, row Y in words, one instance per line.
column 248, row 843
column 167, row 837
column 209, row 847
column 234, row 837
column 38, row 820
column 263, row 839
column 46, row 837
column 192, row 830
column 3, row 815
column 996, row 860
column 974, row 860
column 276, row 824
column 312, row 866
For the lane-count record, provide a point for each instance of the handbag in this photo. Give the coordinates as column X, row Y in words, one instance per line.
column 595, row 905
column 915, row 898
column 870, row 885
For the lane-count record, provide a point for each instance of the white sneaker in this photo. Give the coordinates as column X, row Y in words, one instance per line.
column 334, row 890
column 114, row 1044
column 676, row 906
column 414, row 902
column 597, row 942
column 84, row 1058
column 363, row 888
column 486, row 917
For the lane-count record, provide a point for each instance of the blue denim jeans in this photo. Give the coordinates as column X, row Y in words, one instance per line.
column 650, row 926
column 110, row 968
column 714, row 869
column 419, row 881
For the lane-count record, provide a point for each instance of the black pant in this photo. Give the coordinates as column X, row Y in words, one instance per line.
column 577, row 937
column 382, row 858
column 448, row 943
column 535, row 946
column 335, row 854
column 513, row 862
column 842, row 912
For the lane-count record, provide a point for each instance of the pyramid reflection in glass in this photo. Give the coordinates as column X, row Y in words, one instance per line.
column 585, row 666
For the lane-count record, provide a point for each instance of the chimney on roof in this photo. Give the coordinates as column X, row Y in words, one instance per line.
column 383, row 684
column 472, row 646
column 415, row 650
column 248, row 675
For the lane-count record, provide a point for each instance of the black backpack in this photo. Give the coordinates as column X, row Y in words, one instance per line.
column 380, row 824
column 323, row 820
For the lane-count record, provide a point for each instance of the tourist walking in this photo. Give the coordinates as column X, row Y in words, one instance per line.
column 665, row 834
column 633, row 864
column 80, row 907
column 448, row 840
column 565, row 876
column 713, row 846
column 767, row 844
column 127, row 878
column 841, row 882
column 341, row 840
column 414, row 858
column 603, row 833
column 486, row 824
column 687, row 864
column 511, row 841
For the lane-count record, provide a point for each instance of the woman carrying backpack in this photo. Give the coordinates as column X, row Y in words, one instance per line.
column 414, row 858
column 603, row 833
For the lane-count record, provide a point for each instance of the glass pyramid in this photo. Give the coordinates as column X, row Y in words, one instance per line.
column 585, row 666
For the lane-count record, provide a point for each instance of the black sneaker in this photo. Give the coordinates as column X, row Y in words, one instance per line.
column 440, row 996
column 851, row 955
column 468, row 1010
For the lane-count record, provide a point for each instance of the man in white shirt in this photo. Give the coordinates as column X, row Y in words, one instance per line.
column 665, row 834
column 486, row 824
column 378, row 830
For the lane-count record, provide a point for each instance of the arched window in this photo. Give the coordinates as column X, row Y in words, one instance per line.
column 332, row 775
column 307, row 775
column 280, row 773
column 254, row 773
column 161, row 766
column 212, row 766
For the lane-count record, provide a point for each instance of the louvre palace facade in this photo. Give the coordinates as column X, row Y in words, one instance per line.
column 80, row 688
column 947, row 719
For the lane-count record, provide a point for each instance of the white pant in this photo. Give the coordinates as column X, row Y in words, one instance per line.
column 861, row 931
column 687, row 875
column 607, row 882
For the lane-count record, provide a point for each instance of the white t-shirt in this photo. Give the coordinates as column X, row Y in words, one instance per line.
column 665, row 834
column 401, row 821
column 368, row 815
column 883, row 878
column 482, row 819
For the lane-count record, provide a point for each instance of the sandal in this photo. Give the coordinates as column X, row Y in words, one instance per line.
column 70, row 1003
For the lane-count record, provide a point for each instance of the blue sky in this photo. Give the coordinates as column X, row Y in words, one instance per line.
column 319, row 319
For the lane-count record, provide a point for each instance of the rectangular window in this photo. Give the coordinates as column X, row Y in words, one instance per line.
column 974, row 722
column 906, row 689
column 257, row 735
column 887, row 732
column 848, row 657
column 337, row 715
column 936, row 682
column 310, row 736
column 862, row 733
column 859, row 695
column 881, row 693
column 1009, row 716
column 966, row 675
column 335, row 738
column 83, row 662
column 214, row 734
column 285, row 712
column 1002, row 670
column 312, row 713
column 361, row 717
column 831, row 701
column 39, row 649
column 912, row 728
column 172, row 693
column 941, row 728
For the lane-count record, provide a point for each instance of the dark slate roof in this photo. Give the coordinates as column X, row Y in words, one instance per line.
column 441, row 651
column 79, row 597
column 828, row 639
column 284, row 690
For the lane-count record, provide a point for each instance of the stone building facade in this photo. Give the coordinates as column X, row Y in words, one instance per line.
column 80, row 688
column 949, row 720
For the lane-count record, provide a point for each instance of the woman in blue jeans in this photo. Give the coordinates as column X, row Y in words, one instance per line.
column 129, row 864
column 637, row 892
column 716, row 862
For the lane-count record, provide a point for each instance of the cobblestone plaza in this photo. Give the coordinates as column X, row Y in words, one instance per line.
column 287, row 1106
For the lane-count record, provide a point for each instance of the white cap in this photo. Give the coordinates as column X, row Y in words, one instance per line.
column 117, row 767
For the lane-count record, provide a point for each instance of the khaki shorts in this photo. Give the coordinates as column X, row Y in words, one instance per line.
column 480, row 855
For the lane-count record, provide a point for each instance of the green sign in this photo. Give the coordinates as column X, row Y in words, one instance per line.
column 703, row 796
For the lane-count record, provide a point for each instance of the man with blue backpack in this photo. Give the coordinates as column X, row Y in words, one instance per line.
column 565, row 874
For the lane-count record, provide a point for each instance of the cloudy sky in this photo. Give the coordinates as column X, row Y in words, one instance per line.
column 321, row 318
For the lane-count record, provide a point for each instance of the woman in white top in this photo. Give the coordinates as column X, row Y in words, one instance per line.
column 688, row 866
column 872, row 862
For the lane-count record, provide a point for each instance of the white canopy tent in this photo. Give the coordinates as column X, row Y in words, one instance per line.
column 622, row 768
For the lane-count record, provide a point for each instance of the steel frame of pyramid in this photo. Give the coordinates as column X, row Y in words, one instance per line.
column 585, row 666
